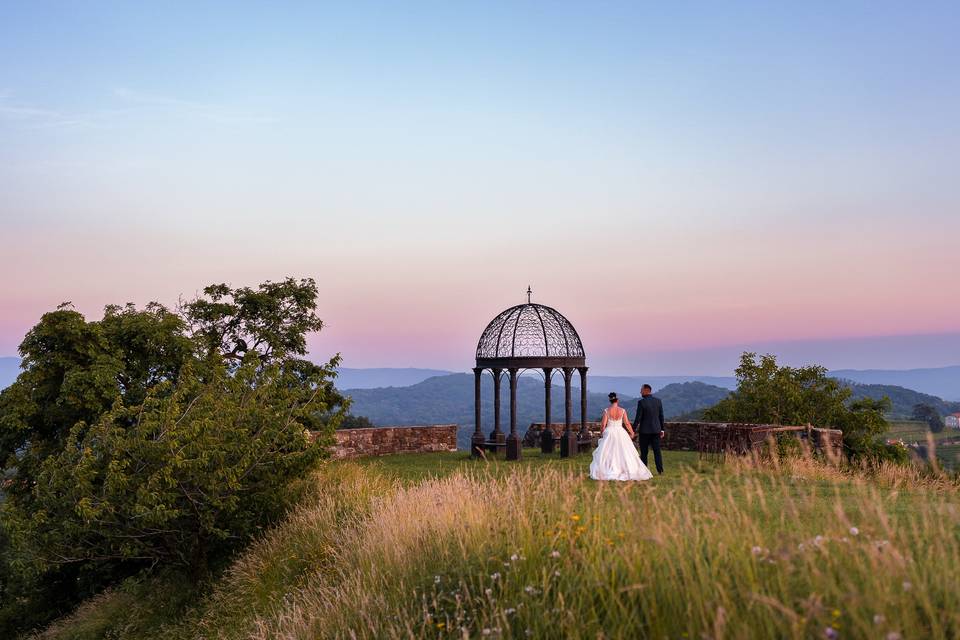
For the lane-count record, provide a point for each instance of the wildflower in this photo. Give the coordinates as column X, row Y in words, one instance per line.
column 554, row 554
column 575, row 517
column 436, row 579
column 528, row 632
column 531, row 590
column 879, row 618
column 495, row 576
column 506, row 564
column 488, row 591
column 836, row 613
column 756, row 551
column 441, row 625
column 485, row 632
column 819, row 540
column 830, row 633
column 907, row 585
column 514, row 558
column 510, row 611
column 556, row 574
column 801, row 547
column 854, row 531
column 893, row 635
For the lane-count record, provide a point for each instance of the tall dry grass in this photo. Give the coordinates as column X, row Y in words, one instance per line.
column 775, row 549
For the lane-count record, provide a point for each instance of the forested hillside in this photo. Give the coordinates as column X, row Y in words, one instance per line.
column 450, row 399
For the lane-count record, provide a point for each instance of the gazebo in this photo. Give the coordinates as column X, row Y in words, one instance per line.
column 529, row 336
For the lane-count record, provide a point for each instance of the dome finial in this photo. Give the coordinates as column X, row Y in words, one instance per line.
column 529, row 293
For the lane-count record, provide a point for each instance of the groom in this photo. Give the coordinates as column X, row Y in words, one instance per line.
column 649, row 425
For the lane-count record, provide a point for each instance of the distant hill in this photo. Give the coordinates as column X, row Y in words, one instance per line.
column 903, row 399
column 9, row 370
column 384, row 377
column 631, row 384
column 449, row 398
column 943, row 381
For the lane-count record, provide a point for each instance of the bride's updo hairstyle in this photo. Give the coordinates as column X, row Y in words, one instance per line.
column 612, row 396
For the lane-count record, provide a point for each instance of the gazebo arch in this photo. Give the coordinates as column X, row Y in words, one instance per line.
column 529, row 336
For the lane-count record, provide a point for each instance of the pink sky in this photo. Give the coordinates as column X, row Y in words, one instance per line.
column 681, row 184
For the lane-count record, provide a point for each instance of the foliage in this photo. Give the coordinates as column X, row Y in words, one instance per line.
column 271, row 321
column 133, row 440
column 771, row 394
column 928, row 414
column 351, row 421
column 163, row 481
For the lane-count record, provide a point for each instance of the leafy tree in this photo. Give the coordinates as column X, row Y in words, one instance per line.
column 771, row 394
column 199, row 463
column 153, row 437
column 76, row 370
column 930, row 415
column 271, row 320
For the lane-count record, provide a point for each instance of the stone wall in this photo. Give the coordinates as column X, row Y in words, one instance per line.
column 713, row 436
column 378, row 441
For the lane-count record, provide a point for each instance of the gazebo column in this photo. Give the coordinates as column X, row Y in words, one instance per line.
column 546, row 438
column 513, row 440
column 496, row 436
column 568, row 441
column 476, row 442
column 584, row 432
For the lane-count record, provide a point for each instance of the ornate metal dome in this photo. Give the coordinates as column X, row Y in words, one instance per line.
column 530, row 332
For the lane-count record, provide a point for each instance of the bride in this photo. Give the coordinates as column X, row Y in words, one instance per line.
column 615, row 457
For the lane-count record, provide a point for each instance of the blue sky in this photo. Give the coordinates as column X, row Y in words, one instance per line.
column 781, row 169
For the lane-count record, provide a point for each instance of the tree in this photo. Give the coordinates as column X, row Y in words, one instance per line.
column 201, row 462
column 75, row 370
column 770, row 394
column 930, row 415
column 271, row 321
column 151, row 436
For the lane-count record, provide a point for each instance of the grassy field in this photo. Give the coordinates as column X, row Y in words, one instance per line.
column 441, row 546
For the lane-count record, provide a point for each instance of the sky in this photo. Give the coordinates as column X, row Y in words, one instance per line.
column 682, row 180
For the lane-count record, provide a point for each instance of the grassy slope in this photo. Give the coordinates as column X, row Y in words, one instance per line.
column 420, row 546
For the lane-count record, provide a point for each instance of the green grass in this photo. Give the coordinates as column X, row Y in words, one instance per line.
column 414, row 468
column 439, row 545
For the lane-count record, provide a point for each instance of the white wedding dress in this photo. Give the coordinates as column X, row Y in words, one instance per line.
column 615, row 457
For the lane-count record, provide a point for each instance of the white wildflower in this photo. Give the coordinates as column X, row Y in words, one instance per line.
column 879, row 618
column 514, row 558
column 554, row 554
column 495, row 576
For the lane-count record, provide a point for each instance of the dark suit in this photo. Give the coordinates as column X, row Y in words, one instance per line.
column 648, row 425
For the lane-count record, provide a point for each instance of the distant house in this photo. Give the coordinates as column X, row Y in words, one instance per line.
column 952, row 421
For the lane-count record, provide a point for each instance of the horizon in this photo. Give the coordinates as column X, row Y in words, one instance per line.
column 683, row 183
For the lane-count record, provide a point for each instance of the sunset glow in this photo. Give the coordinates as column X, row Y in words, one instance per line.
column 679, row 184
